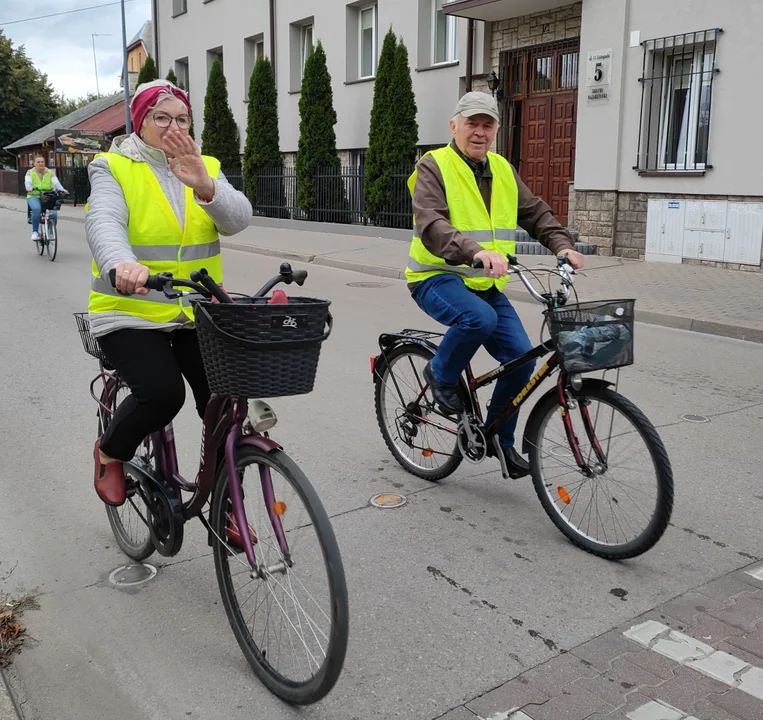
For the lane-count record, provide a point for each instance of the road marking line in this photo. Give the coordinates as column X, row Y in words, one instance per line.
column 757, row 573
column 703, row 658
column 508, row 715
column 658, row 710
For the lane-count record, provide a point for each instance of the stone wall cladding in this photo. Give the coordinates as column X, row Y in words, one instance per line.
column 625, row 235
column 536, row 29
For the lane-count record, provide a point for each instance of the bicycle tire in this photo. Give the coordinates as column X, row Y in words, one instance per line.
column 135, row 551
column 324, row 680
column 382, row 382
column 40, row 242
column 663, row 471
column 52, row 238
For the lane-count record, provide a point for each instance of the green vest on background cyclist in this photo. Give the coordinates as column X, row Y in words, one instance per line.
column 37, row 181
column 468, row 204
column 156, row 205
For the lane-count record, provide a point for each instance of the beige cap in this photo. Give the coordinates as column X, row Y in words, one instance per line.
column 478, row 103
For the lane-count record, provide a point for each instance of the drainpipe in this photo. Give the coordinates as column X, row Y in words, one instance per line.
column 155, row 23
column 273, row 35
column 469, row 53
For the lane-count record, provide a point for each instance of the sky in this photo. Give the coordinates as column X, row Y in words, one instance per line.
column 62, row 47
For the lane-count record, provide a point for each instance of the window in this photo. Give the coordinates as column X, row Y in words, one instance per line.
column 179, row 7
column 181, row 71
column 444, row 35
column 368, row 41
column 254, row 50
column 212, row 55
column 306, row 45
column 677, row 87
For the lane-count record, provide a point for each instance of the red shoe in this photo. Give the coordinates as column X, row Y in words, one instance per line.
column 109, row 481
column 234, row 535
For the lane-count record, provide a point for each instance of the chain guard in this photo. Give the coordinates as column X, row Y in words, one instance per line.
column 475, row 452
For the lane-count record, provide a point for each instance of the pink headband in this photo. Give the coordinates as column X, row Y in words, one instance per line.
column 144, row 100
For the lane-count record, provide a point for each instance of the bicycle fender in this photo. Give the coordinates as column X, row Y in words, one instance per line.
column 260, row 442
column 535, row 414
column 388, row 343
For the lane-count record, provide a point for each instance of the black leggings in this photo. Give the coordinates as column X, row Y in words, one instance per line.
column 152, row 363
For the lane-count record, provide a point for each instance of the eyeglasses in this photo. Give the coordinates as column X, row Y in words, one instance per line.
column 161, row 120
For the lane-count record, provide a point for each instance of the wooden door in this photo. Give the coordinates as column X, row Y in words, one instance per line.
column 535, row 146
column 562, row 153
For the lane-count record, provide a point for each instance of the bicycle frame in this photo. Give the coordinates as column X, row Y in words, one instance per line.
column 222, row 431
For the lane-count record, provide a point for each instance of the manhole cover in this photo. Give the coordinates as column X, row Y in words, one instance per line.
column 388, row 500
column 695, row 418
column 130, row 575
column 368, row 284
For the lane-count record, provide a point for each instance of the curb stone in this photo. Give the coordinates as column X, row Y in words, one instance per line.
column 677, row 322
column 9, row 709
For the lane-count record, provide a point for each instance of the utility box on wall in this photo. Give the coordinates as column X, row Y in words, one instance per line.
column 713, row 230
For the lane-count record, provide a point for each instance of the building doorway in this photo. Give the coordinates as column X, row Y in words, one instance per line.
column 540, row 113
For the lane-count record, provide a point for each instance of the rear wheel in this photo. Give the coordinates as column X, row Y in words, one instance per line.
column 422, row 439
column 129, row 521
column 52, row 238
column 290, row 616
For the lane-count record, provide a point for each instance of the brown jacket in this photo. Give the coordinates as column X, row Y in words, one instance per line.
column 430, row 207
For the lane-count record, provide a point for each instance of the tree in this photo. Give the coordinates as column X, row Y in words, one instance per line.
column 171, row 77
column 69, row 105
column 263, row 164
column 27, row 101
column 377, row 174
column 401, row 147
column 320, row 188
column 220, row 137
column 148, row 72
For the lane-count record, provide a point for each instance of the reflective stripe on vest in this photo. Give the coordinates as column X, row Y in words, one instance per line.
column 494, row 231
column 158, row 242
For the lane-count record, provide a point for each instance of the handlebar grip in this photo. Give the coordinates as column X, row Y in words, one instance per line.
column 299, row 277
column 154, row 282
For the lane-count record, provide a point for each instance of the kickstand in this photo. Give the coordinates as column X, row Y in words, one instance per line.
column 501, row 457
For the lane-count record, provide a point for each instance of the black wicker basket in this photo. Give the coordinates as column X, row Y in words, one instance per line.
column 88, row 341
column 255, row 350
column 593, row 335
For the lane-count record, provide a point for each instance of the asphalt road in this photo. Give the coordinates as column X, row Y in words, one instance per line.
column 419, row 646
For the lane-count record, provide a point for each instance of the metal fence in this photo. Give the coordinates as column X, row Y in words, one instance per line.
column 338, row 195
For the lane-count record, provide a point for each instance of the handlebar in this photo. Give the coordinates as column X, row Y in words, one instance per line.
column 563, row 269
column 202, row 283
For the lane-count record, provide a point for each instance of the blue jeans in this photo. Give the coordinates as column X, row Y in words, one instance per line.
column 473, row 322
column 35, row 205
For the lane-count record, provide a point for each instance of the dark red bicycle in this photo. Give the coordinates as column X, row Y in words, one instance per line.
column 279, row 568
column 598, row 465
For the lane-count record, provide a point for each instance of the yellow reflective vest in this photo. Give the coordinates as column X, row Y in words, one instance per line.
column 158, row 242
column 496, row 230
column 40, row 185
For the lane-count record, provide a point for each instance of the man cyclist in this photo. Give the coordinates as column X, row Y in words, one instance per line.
column 37, row 181
column 467, row 205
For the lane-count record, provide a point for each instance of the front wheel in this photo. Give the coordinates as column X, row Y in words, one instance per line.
column 52, row 238
column 619, row 506
column 40, row 242
column 290, row 614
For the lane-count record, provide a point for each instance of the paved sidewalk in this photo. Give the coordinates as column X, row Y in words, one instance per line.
column 701, row 299
column 698, row 657
column 7, row 706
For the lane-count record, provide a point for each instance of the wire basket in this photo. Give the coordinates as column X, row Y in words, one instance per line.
column 254, row 350
column 51, row 201
column 88, row 341
column 593, row 336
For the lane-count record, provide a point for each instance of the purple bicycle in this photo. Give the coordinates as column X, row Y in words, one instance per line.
column 285, row 594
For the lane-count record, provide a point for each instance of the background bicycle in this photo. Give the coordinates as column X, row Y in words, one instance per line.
column 598, row 465
column 48, row 234
column 278, row 565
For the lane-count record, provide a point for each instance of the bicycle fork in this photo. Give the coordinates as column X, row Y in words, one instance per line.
column 566, row 404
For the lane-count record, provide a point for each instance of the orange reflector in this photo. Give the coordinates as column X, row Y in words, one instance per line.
column 428, row 452
column 279, row 508
column 373, row 364
column 563, row 495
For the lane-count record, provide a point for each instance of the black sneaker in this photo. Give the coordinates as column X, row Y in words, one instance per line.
column 447, row 397
column 518, row 467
